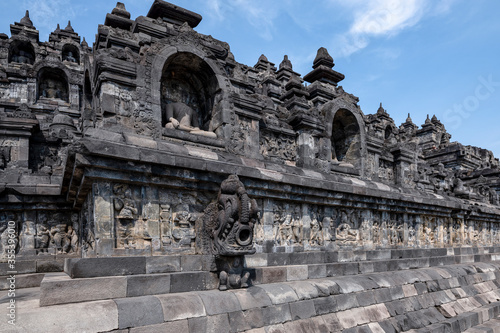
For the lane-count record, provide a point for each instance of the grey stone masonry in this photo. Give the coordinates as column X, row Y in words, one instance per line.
column 443, row 305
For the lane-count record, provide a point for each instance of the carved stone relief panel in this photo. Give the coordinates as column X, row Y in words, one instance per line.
column 278, row 147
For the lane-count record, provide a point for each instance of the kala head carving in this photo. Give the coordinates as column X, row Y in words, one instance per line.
column 227, row 225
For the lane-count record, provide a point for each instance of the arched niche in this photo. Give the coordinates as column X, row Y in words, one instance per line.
column 53, row 84
column 346, row 129
column 21, row 52
column 388, row 132
column 346, row 138
column 71, row 53
column 188, row 82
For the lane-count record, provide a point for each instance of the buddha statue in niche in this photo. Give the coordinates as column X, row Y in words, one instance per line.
column 181, row 116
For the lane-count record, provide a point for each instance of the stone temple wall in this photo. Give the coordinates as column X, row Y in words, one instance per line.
column 117, row 150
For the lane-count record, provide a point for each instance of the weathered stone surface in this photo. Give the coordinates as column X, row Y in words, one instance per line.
column 277, row 314
column 280, row 293
column 99, row 316
column 95, row 267
column 173, row 326
column 163, row 264
column 253, row 297
column 246, row 320
column 219, row 302
column 62, row 289
column 139, row 311
column 302, row 309
column 181, row 306
column 182, row 282
column 150, row 284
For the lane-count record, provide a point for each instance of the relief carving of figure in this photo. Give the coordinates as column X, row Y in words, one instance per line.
column 60, row 239
column 316, row 237
column 123, row 202
column 296, row 226
column 183, row 233
column 42, row 238
column 27, row 236
column 166, row 224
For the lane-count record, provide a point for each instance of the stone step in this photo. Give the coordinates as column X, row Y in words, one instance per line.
column 21, row 281
column 450, row 298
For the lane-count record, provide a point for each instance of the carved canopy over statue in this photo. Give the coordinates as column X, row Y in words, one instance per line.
column 226, row 228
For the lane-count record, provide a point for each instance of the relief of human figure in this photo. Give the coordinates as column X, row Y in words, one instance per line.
column 296, row 226
column 60, row 239
column 316, row 237
column 42, row 238
column 27, row 236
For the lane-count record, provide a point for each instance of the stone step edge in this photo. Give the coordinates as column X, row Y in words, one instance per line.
column 60, row 289
column 465, row 322
column 21, row 281
column 120, row 266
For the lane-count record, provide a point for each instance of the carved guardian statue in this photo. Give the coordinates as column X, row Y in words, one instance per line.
column 226, row 231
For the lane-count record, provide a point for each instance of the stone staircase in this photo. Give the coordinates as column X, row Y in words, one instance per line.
column 390, row 290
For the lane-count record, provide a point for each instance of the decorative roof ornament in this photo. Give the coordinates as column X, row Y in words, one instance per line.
column 26, row 20
column 286, row 63
column 322, row 69
column 69, row 27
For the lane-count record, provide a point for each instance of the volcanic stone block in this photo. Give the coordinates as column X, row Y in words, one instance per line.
column 217, row 323
column 346, row 301
column 191, row 263
column 332, row 322
column 353, row 317
column 148, row 284
column 63, row 289
column 22, row 267
column 317, row 271
column 297, row 272
column 276, row 314
column 217, row 302
column 181, row 306
column 139, row 311
column 280, row 293
column 182, row 282
column 163, row 264
column 23, row 281
column 253, row 297
column 325, row 305
column 246, row 320
column 365, row 298
column 45, row 266
column 302, row 309
column 299, row 258
column 173, row 326
column 278, row 259
column 377, row 312
column 270, row 274
column 95, row 267
column 100, row 316
column 304, row 289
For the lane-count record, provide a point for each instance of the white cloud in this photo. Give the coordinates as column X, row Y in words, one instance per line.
column 379, row 18
column 45, row 14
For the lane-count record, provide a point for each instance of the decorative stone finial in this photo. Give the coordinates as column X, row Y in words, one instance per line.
column 69, row 27
column 427, row 121
column 120, row 10
column 84, row 43
column 408, row 120
column 286, row 63
column 434, row 119
column 323, row 58
column 381, row 110
column 263, row 58
column 58, row 28
column 26, row 19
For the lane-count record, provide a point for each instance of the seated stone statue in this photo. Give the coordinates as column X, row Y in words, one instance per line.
column 69, row 57
column 51, row 90
column 181, row 116
column 23, row 57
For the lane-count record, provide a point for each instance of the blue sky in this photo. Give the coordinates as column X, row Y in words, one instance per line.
column 415, row 56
